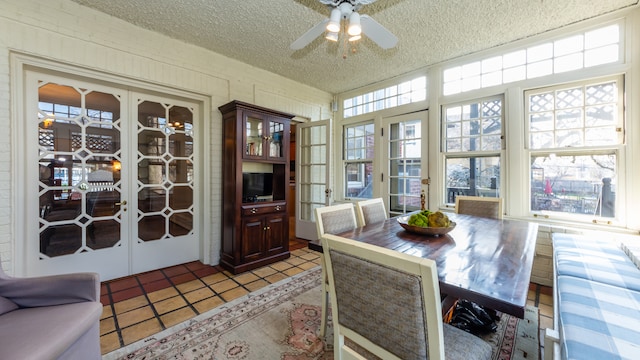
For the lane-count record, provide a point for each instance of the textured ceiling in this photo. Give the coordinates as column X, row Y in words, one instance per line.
column 259, row 32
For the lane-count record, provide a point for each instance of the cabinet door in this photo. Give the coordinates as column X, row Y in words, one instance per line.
column 253, row 234
column 277, row 139
column 254, row 135
column 277, row 239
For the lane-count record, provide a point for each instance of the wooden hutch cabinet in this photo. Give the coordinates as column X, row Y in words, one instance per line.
column 255, row 176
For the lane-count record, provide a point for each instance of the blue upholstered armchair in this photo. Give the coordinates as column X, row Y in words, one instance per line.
column 50, row 317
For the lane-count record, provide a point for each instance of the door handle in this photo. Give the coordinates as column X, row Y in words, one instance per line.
column 123, row 202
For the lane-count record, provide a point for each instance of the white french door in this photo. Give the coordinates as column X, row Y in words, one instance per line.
column 164, row 226
column 407, row 161
column 313, row 174
column 109, row 178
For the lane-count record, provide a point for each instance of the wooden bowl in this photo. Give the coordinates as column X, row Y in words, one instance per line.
column 430, row 231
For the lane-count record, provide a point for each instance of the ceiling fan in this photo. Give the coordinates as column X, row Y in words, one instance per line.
column 357, row 25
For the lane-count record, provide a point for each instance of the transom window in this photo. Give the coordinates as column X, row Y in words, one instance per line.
column 404, row 93
column 587, row 49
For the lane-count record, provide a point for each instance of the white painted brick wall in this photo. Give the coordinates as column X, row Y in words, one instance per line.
column 64, row 31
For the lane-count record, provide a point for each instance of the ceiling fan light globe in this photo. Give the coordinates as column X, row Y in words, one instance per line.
column 354, row 24
column 333, row 36
column 334, row 20
column 355, row 37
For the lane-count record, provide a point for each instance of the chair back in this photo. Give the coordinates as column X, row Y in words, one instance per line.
column 383, row 301
column 335, row 219
column 488, row 207
column 371, row 211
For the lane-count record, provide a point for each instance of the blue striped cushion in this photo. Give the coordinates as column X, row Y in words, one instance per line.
column 594, row 259
column 598, row 321
column 593, row 245
column 606, row 268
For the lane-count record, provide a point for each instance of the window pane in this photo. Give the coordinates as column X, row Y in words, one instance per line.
column 540, row 52
column 474, row 126
column 358, row 153
column 358, row 142
column 568, row 45
column 577, row 184
column 358, row 180
column 603, row 55
column 568, row 63
column 600, row 37
column 515, row 74
column 572, row 116
column 475, row 176
column 492, row 64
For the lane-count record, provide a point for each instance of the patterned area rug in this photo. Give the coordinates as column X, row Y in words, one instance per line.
column 516, row 339
column 281, row 321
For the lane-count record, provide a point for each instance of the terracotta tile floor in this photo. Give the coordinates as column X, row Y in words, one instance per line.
column 141, row 305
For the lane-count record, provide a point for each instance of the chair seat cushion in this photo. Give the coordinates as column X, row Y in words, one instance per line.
column 598, row 321
column 6, row 305
column 459, row 344
column 45, row 332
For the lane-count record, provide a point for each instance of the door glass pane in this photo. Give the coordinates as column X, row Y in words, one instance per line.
column 405, row 166
column 313, row 170
column 79, row 169
column 165, row 170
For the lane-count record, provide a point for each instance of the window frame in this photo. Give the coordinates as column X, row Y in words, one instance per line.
column 466, row 154
column 618, row 149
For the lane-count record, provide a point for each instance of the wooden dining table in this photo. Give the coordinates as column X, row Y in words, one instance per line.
column 486, row 261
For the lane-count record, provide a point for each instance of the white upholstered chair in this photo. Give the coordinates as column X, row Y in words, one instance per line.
column 488, row 207
column 332, row 219
column 388, row 303
column 371, row 211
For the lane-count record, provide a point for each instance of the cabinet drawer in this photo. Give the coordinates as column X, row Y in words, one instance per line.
column 263, row 209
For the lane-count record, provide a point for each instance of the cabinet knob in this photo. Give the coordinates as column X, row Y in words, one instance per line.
column 254, row 210
column 277, row 207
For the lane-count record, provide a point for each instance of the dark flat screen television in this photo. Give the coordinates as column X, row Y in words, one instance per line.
column 255, row 185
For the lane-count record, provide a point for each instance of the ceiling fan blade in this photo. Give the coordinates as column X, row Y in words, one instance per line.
column 310, row 35
column 378, row 33
column 352, row 2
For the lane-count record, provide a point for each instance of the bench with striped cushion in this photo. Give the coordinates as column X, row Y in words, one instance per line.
column 596, row 300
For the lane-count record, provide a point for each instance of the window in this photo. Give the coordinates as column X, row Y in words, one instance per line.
column 358, row 160
column 587, row 49
column 575, row 140
column 472, row 141
column 404, row 93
